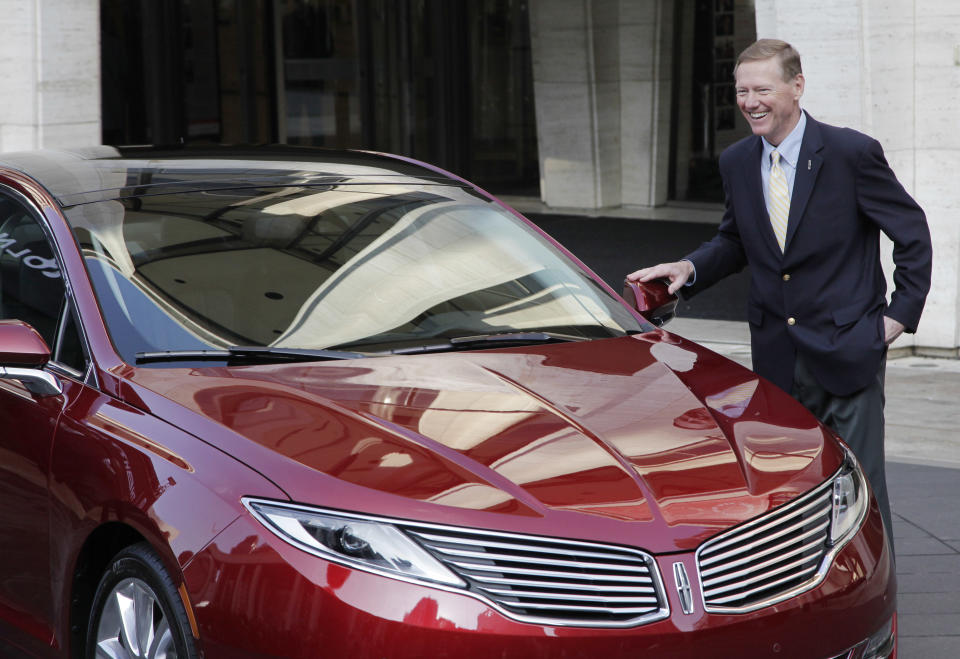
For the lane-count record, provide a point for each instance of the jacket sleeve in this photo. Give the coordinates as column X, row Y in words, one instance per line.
column 881, row 199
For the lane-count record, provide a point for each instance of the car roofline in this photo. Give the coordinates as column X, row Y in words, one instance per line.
column 87, row 175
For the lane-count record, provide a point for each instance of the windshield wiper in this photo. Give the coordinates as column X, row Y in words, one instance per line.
column 488, row 341
column 250, row 354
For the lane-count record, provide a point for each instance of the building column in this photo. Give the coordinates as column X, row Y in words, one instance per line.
column 892, row 70
column 646, row 74
column 601, row 71
column 50, row 67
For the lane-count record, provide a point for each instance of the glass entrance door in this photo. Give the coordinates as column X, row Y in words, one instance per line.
column 446, row 82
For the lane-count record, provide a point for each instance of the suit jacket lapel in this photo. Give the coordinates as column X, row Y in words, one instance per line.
column 808, row 166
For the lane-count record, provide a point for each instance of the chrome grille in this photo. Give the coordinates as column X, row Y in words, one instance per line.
column 769, row 558
column 549, row 580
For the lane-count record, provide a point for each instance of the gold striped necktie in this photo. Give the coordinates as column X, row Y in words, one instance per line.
column 779, row 200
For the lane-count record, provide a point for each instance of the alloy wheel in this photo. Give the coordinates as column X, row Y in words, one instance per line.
column 133, row 625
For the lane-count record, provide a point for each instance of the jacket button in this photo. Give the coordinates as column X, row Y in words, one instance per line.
column 791, row 321
column 786, row 277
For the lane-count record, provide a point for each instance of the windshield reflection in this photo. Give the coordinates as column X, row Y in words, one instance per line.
column 369, row 267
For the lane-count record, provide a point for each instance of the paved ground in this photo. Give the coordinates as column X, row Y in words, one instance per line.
column 922, row 412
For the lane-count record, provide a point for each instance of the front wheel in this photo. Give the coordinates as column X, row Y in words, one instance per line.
column 137, row 612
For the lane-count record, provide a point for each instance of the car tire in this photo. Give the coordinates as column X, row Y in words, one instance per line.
column 158, row 627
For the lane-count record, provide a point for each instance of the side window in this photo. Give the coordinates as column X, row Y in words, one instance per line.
column 69, row 349
column 31, row 284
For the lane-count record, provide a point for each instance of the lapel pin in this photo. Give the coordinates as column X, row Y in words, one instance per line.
column 809, row 165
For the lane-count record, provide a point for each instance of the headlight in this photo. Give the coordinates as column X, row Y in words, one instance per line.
column 850, row 500
column 880, row 645
column 361, row 543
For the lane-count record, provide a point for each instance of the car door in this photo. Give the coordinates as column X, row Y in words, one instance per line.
column 32, row 289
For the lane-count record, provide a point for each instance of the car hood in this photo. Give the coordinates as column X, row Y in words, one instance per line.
column 648, row 439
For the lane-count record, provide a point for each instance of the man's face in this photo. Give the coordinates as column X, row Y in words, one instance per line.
column 770, row 105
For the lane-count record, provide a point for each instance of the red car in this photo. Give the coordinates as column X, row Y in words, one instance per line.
column 282, row 402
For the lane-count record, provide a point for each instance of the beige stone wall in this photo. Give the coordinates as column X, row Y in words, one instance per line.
column 601, row 72
column 646, row 45
column 50, row 68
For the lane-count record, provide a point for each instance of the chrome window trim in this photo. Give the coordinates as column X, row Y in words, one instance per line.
column 68, row 371
column 661, row 613
column 88, row 376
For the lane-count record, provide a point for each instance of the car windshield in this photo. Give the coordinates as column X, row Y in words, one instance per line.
column 369, row 268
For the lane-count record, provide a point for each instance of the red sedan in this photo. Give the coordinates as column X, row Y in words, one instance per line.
column 282, row 402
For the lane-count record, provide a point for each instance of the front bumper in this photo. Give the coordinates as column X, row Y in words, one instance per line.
column 255, row 596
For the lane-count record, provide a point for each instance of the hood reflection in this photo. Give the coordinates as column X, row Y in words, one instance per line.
column 610, row 432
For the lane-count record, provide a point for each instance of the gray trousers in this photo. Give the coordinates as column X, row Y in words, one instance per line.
column 858, row 419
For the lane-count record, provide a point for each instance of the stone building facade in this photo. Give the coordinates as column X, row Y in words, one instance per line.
column 624, row 125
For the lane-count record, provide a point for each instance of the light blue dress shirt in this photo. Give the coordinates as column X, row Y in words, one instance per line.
column 789, row 150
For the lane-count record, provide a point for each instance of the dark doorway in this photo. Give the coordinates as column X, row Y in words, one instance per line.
column 179, row 71
column 446, row 82
column 709, row 34
column 449, row 83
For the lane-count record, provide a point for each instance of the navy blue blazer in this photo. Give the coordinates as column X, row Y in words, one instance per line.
column 824, row 297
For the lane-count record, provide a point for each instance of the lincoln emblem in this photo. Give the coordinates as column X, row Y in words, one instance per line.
column 683, row 587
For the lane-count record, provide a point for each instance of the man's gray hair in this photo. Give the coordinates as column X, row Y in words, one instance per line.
column 763, row 49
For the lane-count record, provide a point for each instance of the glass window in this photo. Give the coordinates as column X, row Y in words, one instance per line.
column 447, row 82
column 188, row 71
column 321, row 96
column 368, row 267
column 69, row 351
column 450, row 83
column 31, row 284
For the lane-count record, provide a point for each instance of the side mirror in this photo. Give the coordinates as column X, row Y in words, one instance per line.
column 652, row 300
column 23, row 354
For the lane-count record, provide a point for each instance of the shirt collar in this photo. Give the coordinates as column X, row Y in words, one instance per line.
column 789, row 148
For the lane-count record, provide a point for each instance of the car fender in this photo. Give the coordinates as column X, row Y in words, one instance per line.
column 119, row 475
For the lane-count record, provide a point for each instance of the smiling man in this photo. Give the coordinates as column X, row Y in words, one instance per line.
column 805, row 205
